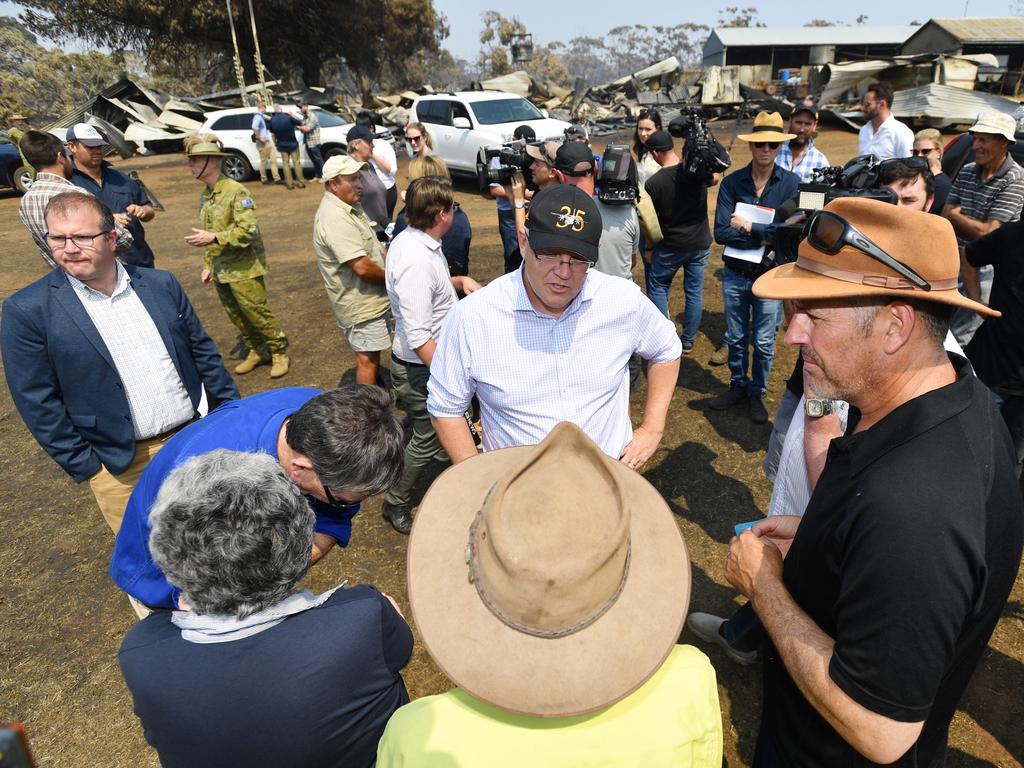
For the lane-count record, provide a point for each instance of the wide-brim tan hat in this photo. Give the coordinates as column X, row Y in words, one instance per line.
column 492, row 553
column 998, row 123
column 922, row 241
column 205, row 149
column 767, row 127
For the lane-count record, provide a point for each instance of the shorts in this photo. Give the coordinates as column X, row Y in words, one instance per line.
column 370, row 335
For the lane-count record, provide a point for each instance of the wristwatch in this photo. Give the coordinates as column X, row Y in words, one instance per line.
column 815, row 408
column 519, row 204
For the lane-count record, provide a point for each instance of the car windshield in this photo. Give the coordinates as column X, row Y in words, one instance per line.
column 505, row 111
column 328, row 119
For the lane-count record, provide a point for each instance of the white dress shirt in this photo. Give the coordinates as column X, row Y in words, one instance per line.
column 156, row 395
column 892, row 139
column 531, row 370
column 420, row 291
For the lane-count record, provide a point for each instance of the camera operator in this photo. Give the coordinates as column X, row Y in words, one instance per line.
column 680, row 198
column 506, row 213
column 748, row 318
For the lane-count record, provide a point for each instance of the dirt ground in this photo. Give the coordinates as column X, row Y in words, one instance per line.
column 62, row 618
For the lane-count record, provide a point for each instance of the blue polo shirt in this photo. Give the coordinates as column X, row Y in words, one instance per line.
column 251, row 424
column 118, row 192
column 282, row 125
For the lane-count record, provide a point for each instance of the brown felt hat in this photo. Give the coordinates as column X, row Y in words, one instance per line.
column 549, row 580
column 767, row 127
column 922, row 241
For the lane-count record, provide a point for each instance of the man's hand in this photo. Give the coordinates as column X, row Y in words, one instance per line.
column 200, row 238
column 465, row 284
column 641, row 447
column 796, row 218
column 322, row 544
column 123, row 219
column 778, row 529
column 518, row 187
column 753, row 565
column 738, row 223
column 205, row 276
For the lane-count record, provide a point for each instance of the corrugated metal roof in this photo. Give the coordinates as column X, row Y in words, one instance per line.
column 942, row 105
column 800, row 36
column 1001, row 29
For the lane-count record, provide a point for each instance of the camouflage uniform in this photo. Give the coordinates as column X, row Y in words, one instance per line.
column 238, row 262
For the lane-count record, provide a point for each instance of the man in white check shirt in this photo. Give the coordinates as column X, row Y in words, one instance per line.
column 551, row 342
column 105, row 361
column 882, row 135
column 421, row 292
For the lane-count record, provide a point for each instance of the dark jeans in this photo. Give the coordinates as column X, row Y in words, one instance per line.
column 1012, row 409
column 509, row 240
column 744, row 631
column 317, row 156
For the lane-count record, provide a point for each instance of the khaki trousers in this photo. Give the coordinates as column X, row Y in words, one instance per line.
column 112, row 491
column 292, row 166
column 268, row 157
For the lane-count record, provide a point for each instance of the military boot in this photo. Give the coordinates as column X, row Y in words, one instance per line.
column 250, row 363
column 280, row 366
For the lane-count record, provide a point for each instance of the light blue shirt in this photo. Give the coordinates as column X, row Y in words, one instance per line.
column 531, row 371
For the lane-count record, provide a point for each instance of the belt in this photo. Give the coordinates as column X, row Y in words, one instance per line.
column 169, row 432
column 406, row 362
column 744, row 269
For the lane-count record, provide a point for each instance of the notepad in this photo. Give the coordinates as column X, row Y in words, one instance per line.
column 756, row 214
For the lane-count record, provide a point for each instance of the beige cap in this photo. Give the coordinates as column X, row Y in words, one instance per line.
column 341, row 165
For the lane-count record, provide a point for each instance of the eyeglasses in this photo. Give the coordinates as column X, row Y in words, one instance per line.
column 922, row 152
column 414, row 138
column 648, row 114
column 338, row 503
column 60, row 242
column 552, row 260
column 919, row 163
column 828, row 233
column 769, row 144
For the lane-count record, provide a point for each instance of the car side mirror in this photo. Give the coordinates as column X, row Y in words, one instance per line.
column 462, row 122
column 545, row 113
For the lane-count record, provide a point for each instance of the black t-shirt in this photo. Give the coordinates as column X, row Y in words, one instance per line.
column 315, row 690
column 997, row 349
column 905, row 556
column 940, row 189
column 681, row 202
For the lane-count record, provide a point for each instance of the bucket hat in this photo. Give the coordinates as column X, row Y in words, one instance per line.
column 998, row 123
column 548, row 580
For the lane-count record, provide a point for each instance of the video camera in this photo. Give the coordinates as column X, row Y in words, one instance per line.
column 704, row 154
column 511, row 156
column 858, row 178
column 618, row 182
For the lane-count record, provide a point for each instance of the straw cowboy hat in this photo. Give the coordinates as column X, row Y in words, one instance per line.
column 767, row 127
column 923, row 243
column 548, row 580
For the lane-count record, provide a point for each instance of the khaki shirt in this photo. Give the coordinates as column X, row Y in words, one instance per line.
column 342, row 233
column 229, row 212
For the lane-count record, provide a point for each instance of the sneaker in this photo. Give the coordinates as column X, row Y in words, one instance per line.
column 251, row 363
column 735, row 395
column 300, row 185
column 758, row 413
column 708, row 628
column 721, row 356
column 399, row 517
column 687, row 350
column 266, row 181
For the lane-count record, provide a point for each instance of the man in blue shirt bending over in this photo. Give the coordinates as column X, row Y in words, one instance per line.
column 764, row 184
column 338, row 447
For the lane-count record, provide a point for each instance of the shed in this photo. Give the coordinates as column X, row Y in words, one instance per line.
column 1001, row 36
column 795, row 47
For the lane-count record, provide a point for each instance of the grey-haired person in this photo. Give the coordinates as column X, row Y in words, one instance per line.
column 241, row 674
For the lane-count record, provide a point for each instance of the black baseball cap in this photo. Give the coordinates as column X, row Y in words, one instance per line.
column 360, row 132
column 660, row 141
column 564, row 218
column 574, row 158
column 807, row 105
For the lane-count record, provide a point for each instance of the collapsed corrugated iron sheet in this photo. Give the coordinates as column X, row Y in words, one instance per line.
column 943, row 105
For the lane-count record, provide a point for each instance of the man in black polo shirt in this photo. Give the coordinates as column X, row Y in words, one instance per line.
column 880, row 604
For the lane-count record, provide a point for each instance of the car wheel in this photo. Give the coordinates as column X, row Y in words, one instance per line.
column 236, row 167
column 23, row 177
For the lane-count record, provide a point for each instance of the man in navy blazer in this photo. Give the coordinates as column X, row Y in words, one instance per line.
column 105, row 361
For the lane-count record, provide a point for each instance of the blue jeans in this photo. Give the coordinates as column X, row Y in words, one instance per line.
column 965, row 323
column 664, row 266
column 746, row 316
column 744, row 631
column 509, row 240
column 317, row 156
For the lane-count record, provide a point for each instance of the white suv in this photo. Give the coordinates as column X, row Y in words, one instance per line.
column 461, row 123
column 234, row 129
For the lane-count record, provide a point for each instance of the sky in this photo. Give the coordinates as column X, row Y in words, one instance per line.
column 549, row 21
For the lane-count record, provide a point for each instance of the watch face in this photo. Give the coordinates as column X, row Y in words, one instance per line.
column 814, row 408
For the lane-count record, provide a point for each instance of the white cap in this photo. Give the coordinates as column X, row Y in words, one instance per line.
column 86, row 134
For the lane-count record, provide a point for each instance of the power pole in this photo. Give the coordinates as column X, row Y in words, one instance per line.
column 237, row 58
